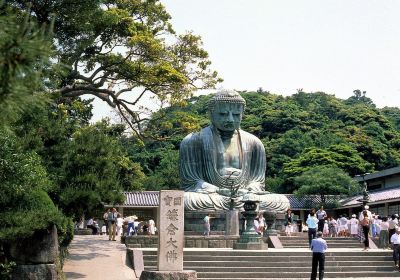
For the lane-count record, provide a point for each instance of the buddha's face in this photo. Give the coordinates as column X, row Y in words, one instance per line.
column 227, row 116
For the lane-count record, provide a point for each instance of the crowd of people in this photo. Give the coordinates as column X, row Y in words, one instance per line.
column 363, row 226
column 113, row 224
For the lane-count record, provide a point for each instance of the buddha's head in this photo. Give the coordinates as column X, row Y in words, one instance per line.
column 226, row 110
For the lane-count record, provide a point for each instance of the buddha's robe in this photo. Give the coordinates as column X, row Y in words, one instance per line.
column 200, row 154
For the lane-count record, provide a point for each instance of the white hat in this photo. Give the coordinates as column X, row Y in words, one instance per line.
column 366, row 207
column 353, row 216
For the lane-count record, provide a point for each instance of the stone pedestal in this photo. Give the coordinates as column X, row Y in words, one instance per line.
column 270, row 219
column 232, row 223
column 169, row 275
column 250, row 239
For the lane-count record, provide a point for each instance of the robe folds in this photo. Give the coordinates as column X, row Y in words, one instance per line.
column 200, row 175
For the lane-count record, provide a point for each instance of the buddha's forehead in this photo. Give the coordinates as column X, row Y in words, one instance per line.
column 228, row 106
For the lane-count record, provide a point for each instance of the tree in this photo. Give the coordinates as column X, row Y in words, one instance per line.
column 121, row 51
column 341, row 155
column 323, row 181
column 25, row 49
column 25, row 206
column 359, row 97
column 96, row 169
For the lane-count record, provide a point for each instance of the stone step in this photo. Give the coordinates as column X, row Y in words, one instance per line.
column 292, row 275
column 306, row 263
column 251, row 265
column 293, row 269
column 306, row 238
column 289, row 269
column 275, row 253
column 274, row 258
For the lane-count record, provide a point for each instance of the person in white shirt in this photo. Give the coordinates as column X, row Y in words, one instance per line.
column 120, row 223
column 343, row 226
column 354, row 225
column 361, row 217
column 312, row 223
column 384, row 234
column 395, row 240
column 90, row 224
column 321, row 216
column 152, row 227
column 333, row 227
column 393, row 223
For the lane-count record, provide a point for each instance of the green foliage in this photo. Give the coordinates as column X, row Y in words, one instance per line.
column 126, row 43
column 6, row 270
column 299, row 132
column 323, row 181
column 359, row 98
column 24, row 204
column 95, row 170
column 341, row 155
column 24, row 56
column 166, row 174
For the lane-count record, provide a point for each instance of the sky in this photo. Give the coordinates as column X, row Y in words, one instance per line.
column 334, row 46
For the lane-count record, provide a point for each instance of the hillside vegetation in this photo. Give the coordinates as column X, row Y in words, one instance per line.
column 302, row 132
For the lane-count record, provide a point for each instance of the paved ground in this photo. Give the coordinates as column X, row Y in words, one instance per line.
column 93, row 257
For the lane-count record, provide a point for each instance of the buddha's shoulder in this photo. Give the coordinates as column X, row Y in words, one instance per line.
column 195, row 137
column 250, row 137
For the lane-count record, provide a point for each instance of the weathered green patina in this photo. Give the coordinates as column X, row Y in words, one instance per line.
column 221, row 163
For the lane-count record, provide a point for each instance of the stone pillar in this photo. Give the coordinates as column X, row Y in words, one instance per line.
column 121, row 211
column 386, row 209
column 232, row 223
column 171, row 239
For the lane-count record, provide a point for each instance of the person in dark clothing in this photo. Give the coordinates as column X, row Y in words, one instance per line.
column 318, row 247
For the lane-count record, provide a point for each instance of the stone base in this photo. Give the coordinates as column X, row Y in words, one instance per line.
column 35, row 272
column 169, row 275
column 250, row 246
column 194, row 221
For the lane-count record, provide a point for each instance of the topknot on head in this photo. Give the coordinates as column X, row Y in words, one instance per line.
column 226, row 96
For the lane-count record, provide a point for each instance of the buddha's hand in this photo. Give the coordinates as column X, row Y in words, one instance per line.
column 207, row 188
column 242, row 192
column 254, row 187
column 224, row 192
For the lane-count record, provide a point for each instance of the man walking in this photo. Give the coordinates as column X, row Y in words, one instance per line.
column 321, row 216
column 318, row 247
column 312, row 223
column 112, row 225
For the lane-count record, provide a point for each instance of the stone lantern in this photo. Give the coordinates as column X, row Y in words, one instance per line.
column 250, row 239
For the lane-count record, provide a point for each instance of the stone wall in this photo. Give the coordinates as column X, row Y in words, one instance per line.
column 35, row 256
column 194, row 221
column 216, row 241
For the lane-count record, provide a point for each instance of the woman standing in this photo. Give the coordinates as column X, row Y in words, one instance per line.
column 365, row 227
column 384, row 234
column 288, row 222
column 332, row 227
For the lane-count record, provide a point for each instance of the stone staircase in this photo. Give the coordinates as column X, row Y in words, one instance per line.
column 301, row 241
column 280, row 264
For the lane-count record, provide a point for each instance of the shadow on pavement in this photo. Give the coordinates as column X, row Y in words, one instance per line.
column 74, row 275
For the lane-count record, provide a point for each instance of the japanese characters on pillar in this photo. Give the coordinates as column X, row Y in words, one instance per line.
column 171, row 231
